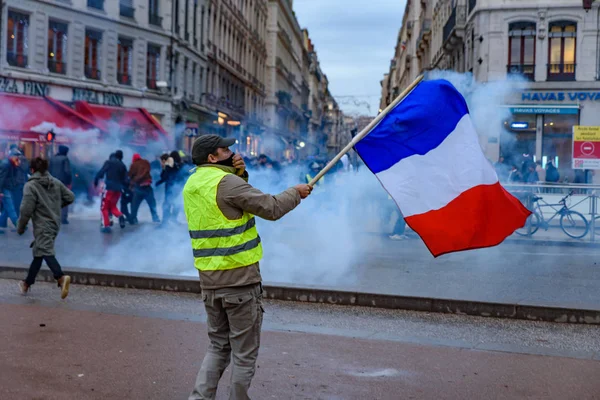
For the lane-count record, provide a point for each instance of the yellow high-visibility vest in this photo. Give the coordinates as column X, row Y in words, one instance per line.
column 218, row 243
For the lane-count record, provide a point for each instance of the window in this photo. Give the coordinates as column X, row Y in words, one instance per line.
column 17, row 39
column 195, row 23
column 152, row 66
column 97, row 4
column 124, row 61
column 57, row 47
column 561, row 54
column 187, row 34
column 192, row 93
column 185, row 77
column 93, row 46
column 126, row 8
column 557, row 144
column 521, row 49
column 153, row 13
column 177, row 30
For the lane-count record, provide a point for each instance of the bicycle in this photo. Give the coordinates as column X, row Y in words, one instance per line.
column 572, row 223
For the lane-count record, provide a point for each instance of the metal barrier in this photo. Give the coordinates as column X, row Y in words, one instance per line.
column 584, row 199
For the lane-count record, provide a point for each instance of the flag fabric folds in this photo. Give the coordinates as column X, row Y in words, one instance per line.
column 426, row 154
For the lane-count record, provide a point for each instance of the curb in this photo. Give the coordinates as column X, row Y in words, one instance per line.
column 322, row 295
column 549, row 242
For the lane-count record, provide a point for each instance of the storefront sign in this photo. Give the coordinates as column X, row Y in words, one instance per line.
column 561, row 96
column 544, row 110
column 95, row 97
column 586, row 147
column 28, row 88
column 191, row 130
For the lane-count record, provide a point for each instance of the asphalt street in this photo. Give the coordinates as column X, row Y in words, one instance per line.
column 329, row 257
column 134, row 344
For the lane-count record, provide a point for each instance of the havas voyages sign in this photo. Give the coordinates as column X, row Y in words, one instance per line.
column 561, row 96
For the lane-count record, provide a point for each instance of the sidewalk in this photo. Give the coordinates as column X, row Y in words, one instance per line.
column 62, row 353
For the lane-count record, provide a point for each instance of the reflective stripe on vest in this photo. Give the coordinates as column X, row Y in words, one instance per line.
column 218, row 243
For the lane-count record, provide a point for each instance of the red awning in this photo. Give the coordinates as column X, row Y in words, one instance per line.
column 29, row 118
column 134, row 122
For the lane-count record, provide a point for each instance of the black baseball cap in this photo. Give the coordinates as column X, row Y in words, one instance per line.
column 208, row 144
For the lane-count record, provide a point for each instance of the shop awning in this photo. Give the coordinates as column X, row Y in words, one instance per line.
column 29, row 118
column 136, row 125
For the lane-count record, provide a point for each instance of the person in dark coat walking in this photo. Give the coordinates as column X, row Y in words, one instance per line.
column 9, row 187
column 116, row 179
column 60, row 168
column 22, row 174
column 43, row 198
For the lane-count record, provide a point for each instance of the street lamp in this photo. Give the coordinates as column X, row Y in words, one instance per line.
column 302, row 144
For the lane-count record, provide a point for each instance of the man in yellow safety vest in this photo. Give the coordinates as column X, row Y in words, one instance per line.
column 220, row 207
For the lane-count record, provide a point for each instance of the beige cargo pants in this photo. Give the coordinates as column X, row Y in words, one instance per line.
column 234, row 319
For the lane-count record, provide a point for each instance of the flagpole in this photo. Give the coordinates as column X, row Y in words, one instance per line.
column 366, row 130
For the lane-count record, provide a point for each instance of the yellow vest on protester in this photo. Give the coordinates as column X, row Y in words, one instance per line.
column 218, row 243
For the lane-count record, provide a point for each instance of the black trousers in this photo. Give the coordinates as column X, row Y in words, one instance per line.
column 36, row 265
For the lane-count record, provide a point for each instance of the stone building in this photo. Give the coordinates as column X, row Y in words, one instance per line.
column 552, row 45
column 137, row 63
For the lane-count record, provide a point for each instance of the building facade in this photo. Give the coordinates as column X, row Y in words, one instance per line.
column 287, row 77
column 553, row 47
column 124, row 55
column 236, row 74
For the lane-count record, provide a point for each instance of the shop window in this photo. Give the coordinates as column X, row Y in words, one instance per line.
column 517, row 139
column 557, row 144
column 17, row 39
column 185, row 77
column 561, row 55
column 124, row 61
column 57, row 47
column 93, row 49
column 521, row 49
column 152, row 66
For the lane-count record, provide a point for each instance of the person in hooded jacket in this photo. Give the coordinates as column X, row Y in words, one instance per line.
column 43, row 198
column 116, row 179
column 60, row 168
column 171, row 176
column 141, row 182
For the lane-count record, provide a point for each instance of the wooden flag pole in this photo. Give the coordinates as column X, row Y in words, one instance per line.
column 365, row 131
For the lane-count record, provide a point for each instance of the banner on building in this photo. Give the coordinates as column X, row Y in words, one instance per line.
column 586, row 147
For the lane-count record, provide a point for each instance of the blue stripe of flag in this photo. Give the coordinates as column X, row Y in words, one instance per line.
column 417, row 125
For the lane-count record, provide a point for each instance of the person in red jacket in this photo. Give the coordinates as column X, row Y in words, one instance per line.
column 141, row 183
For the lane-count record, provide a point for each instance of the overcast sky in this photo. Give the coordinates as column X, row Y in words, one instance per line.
column 355, row 41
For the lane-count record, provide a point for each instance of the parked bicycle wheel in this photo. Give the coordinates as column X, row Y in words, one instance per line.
column 574, row 224
column 531, row 226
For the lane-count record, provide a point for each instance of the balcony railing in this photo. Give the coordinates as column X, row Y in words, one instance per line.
column 154, row 19
column 561, row 72
column 97, row 4
column 151, row 83
column 124, row 79
column 126, row 11
column 92, row 73
column 57, row 67
column 457, row 19
column 16, row 59
column 450, row 24
column 472, row 4
column 527, row 70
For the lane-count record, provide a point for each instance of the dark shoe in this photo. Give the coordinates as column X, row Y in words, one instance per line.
column 122, row 222
column 156, row 220
column 64, row 283
column 106, row 230
column 23, row 288
column 65, row 222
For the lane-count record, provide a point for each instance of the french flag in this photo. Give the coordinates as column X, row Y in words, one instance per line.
column 426, row 154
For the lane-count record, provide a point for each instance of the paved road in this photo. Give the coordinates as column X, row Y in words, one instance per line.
column 338, row 256
column 132, row 344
